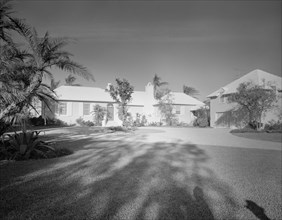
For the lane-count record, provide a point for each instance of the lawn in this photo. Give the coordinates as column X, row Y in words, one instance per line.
column 120, row 176
column 274, row 137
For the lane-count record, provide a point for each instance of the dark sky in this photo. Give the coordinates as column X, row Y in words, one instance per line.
column 204, row 44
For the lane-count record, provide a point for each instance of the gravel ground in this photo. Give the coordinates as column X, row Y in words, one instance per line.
column 152, row 173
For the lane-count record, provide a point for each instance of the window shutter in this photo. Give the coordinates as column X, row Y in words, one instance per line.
column 86, row 109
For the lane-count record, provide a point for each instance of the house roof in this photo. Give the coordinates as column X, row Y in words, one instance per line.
column 257, row 77
column 81, row 93
column 94, row 94
column 183, row 99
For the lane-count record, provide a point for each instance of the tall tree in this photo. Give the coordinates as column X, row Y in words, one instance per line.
column 121, row 93
column 157, row 83
column 40, row 56
column 9, row 23
column 70, row 81
column 254, row 99
column 165, row 107
column 44, row 53
column 54, row 84
column 191, row 91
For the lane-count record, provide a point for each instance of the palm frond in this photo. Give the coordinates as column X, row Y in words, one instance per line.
column 73, row 67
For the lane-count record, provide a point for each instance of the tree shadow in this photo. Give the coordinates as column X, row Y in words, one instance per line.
column 120, row 180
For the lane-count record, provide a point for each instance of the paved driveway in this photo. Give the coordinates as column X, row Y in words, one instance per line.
column 152, row 173
column 204, row 136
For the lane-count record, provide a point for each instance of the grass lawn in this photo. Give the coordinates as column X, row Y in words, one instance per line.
column 274, row 137
column 119, row 176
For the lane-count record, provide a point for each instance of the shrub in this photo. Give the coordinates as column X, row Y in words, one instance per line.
column 137, row 121
column 155, row 124
column 36, row 121
column 182, row 124
column 39, row 121
column 128, row 122
column 203, row 118
column 56, row 122
column 246, row 130
column 143, row 120
column 99, row 113
column 117, row 128
column 23, row 146
column 83, row 123
column 273, row 126
column 255, row 125
column 201, row 122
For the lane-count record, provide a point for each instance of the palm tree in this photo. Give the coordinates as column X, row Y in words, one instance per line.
column 70, row 81
column 8, row 23
column 43, row 54
column 54, row 84
column 157, row 83
column 191, row 91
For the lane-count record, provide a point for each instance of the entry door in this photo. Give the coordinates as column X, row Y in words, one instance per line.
column 110, row 112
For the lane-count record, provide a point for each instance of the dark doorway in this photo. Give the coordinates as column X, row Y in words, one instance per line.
column 110, row 112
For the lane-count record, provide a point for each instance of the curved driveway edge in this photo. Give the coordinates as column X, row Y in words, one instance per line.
column 203, row 136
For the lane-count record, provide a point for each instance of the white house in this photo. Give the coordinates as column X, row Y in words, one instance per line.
column 78, row 101
column 221, row 110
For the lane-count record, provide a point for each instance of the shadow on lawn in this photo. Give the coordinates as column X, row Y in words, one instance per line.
column 121, row 180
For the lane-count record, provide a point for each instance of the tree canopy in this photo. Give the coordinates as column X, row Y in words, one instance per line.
column 256, row 100
column 191, row 91
column 157, row 83
column 22, row 67
column 122, row 94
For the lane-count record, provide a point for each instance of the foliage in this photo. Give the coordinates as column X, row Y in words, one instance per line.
column 39, row 121
column 182, row 124
column 129, row 121
column 99, row 113
column 70, row 81
column 25, row 145
column 254, row 99
column 143, row 120
column 23, row 66
column 158, row 84
column 165, row 106
column 273, row 126
column 246, row 130
column 117, row 128
column 54, row 84
column 155, row 124
column 121, row 93
column 203, row 117
column 191, row 91
column 83, row 123
column 137, row 121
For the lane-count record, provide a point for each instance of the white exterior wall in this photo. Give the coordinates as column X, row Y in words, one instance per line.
column 149, row 110
column 75, row 111
column 133, row 110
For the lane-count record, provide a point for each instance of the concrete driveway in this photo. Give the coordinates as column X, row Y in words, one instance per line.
column 204, row 136
column 152, row 173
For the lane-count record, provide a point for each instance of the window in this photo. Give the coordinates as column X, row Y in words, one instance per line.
column 177, row 109
column 86, row 108
column 61, row 108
